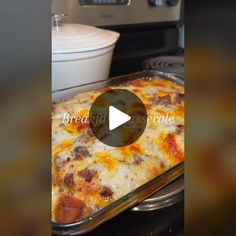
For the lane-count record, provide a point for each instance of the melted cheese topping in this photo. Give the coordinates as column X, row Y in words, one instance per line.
column 87, row 175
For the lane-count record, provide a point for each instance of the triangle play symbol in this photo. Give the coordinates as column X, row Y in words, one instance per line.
column 117, row 118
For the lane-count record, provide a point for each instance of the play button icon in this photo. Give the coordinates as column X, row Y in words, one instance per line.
column 117, row 117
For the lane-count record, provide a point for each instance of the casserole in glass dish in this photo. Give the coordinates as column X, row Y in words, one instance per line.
column 93, row 182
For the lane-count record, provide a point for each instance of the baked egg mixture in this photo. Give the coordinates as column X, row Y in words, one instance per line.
column 88, row 175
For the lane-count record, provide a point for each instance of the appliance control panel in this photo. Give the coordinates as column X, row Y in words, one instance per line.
column 103, row 2
column 118, row 12
column 161, row 3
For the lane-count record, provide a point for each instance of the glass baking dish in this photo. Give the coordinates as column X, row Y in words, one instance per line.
column 137, row 195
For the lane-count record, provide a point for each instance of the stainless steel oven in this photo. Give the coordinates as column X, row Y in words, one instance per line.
column 118, row 12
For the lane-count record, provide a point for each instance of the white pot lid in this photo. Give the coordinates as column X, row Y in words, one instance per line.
column 72, row 38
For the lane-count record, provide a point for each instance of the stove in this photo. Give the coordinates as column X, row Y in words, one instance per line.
column 167, row 221
column 140, row 44
column 168, row 64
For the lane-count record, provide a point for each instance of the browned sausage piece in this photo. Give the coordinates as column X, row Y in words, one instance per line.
column 81, row 152
column 179, row 98
column 87, row 174
column 68, row 209
column 68, row 179
column 106, row 193
column 165, row 100
column 179, row 129
column 137, row 160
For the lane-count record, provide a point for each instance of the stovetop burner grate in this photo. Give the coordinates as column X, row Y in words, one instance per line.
column 169, row 64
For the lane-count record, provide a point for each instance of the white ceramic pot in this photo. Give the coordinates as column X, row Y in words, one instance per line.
column 80, row 54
